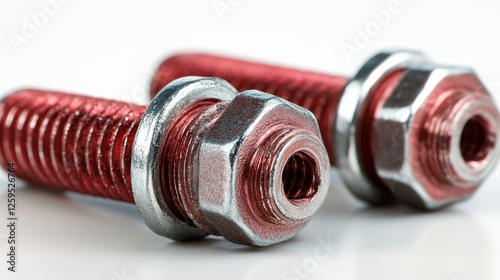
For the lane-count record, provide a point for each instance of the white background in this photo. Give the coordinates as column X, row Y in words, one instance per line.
column 111, row 48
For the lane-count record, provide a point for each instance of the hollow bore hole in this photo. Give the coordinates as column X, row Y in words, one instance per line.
column 476, row 141
column 300, row 178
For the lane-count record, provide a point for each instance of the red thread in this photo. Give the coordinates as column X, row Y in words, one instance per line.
column 70, row 142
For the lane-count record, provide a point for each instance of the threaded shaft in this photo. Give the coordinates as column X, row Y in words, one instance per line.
column 319, row 93
column 70, row 142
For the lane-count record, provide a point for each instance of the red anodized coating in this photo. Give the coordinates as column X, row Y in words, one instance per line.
column 70, row 142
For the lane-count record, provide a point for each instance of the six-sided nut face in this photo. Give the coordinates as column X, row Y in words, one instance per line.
column 243, row 163
column 430, row 162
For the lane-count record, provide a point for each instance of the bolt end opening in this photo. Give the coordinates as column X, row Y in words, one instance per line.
column 477, row 141
column 301, row 178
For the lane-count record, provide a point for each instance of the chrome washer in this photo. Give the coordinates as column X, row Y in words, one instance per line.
column 349, row 111
column 146, row 152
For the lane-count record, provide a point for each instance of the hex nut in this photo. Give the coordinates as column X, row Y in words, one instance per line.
column 245, row 160
column 433, row 162
column 350, row 118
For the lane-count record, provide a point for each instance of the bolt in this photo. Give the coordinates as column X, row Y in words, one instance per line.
column 193, row 161
column 401, row 129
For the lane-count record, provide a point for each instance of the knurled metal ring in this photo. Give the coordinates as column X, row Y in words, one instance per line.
column 146, row 151
column 354, row 98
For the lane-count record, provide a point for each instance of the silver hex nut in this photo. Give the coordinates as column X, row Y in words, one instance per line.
column 436, row 136
column 263, row 170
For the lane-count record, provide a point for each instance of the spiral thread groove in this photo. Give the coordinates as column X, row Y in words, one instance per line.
column 70, row 142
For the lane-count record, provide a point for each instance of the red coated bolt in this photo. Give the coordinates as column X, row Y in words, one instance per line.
column 193, row 161
column 401, row 128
